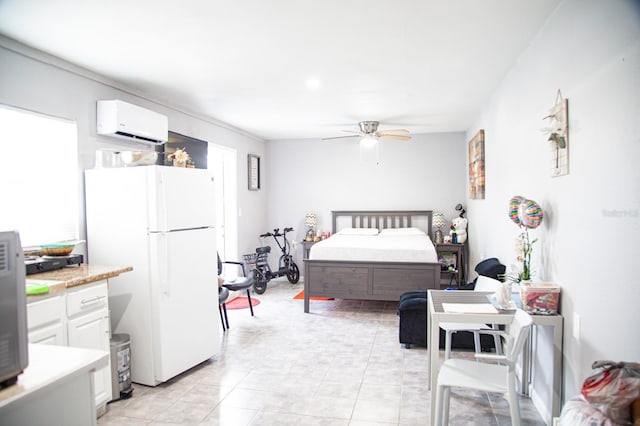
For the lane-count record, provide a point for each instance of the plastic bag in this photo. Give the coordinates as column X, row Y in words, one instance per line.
column 613, row 388
column 578, row 412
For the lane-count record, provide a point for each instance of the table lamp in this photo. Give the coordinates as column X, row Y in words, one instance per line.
column 438, row 222
column 310, row 221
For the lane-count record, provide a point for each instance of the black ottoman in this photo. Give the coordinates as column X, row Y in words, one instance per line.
column 413, row 319
column 412, row 310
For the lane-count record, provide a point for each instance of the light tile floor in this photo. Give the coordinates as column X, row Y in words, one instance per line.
column 339, row 365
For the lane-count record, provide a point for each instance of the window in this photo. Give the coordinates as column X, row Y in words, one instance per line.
column 39, row 182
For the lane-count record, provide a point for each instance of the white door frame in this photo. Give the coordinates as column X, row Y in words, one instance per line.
column 223, row 162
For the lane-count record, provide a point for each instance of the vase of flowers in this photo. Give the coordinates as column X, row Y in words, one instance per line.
column 179, row 158
column 524, row 248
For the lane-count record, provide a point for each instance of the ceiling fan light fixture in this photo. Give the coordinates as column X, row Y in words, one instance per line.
column 368, row 141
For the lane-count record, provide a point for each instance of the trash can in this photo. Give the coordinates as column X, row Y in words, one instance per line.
column 120, row 367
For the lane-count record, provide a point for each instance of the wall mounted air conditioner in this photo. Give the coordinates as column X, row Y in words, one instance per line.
column 123, row 120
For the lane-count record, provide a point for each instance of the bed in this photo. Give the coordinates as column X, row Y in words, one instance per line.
column 375, row 275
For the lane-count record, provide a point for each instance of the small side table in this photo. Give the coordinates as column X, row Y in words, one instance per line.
column 460, row 252
column 306, row 247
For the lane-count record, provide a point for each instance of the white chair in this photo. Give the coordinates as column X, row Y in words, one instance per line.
column 482, row 284
column 499, row 378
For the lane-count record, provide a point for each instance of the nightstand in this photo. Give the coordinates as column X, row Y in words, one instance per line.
column 306, row 246
column 456, row 254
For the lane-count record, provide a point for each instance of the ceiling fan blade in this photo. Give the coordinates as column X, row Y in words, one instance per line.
column 398, row 137
column 393, row 131
column 341, row 137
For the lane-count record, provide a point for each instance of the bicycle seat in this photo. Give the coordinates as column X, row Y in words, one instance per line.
column 261, row 250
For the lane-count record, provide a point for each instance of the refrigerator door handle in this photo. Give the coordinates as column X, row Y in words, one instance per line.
column 163, row 264
column 162, row 200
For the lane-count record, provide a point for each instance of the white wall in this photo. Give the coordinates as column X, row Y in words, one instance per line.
column 319, row 176
column 38, row 82
column 590, row 49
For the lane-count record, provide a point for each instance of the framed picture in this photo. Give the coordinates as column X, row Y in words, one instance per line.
column 476, row 166
column 253, row 166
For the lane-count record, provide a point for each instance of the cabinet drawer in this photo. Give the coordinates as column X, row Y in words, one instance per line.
column 46, row 311
column 52, row 334
column 87, row 299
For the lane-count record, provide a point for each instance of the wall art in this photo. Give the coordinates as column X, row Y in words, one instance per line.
column 253, row 167
column 557, row 130
column 476, row 166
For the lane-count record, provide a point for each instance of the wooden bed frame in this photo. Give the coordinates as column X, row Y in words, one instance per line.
column 370, row 280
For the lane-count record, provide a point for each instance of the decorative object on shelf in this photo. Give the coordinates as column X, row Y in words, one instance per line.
column 179, row 157
column 138, row 158
column 438, row 222
column 310, row 221
column 526, row 214
column 476, row 166
column 459, row 230
column 253, row 169
column 198, row 150
column 460, row 209
column 557, row 130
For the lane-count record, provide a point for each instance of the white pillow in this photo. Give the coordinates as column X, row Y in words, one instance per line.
column 402, row 231
column 358, row 231
column 487, row 284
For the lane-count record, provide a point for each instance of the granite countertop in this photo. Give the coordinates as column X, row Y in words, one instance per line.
column 73, row 276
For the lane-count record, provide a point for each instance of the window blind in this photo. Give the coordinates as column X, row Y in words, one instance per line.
column 39, row 182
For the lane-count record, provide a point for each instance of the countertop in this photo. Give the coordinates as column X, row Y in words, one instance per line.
column 49, row 364
column 73, row 276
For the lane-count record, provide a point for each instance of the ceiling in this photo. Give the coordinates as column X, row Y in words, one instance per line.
column 283, row 69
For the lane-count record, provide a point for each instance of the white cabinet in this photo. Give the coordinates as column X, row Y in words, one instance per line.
column 78, row 317
column 46, row 319
column 52, row 334
column 88, row 327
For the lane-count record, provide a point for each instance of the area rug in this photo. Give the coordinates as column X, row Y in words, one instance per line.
column 301, row 296
column 241, row 302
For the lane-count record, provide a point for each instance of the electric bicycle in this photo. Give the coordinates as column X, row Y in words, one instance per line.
column 286, row 266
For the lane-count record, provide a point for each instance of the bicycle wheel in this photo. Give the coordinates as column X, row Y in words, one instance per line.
column 293, row 274
column 259, row 282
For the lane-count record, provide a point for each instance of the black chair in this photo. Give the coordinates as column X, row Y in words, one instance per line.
column 239, row 283
column 223, row 295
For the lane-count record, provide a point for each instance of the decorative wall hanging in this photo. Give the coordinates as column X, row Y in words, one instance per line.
column 476, row 166
column 557, row 130
column 253, row 167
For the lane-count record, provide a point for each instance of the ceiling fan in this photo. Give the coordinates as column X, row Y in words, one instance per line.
column 369, row 133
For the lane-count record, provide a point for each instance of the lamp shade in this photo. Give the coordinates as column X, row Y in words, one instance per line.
column 311, row 220
column 438, row 219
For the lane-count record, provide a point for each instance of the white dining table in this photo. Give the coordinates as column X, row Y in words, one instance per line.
column 437, row 315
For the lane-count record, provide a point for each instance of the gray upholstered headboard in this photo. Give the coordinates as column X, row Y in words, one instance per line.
column 382, row 219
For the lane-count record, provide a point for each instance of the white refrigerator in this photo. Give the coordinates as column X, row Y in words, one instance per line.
column 160, row 220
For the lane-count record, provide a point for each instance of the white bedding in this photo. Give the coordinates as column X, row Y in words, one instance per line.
column 383, row 247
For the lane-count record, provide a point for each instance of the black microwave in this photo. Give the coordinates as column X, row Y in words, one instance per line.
column 14, row 356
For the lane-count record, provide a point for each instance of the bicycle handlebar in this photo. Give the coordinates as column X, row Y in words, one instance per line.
column 276, row 233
